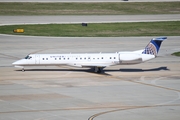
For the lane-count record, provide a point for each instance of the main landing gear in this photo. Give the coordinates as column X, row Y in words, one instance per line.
column 98, row 69
column 23, row 70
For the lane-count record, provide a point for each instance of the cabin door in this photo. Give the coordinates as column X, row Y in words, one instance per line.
column 37, row 61
column 119, row 58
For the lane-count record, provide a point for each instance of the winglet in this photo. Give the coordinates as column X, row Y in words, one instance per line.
column 154, row 46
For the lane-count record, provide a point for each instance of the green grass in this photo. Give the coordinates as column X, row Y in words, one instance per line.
column 176, row 54
column 120, row 8
column 98, row 29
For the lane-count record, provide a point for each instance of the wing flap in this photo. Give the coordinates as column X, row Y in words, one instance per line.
column 95, row 65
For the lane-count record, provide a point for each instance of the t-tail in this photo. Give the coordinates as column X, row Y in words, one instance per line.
column 154, row 45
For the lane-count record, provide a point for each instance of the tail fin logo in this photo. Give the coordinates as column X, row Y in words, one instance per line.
column 150, row 49
column 154, row 45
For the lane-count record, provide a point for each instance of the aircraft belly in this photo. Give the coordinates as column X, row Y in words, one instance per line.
column 93, row 64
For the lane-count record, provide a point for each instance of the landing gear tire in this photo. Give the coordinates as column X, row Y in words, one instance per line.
column 23, row 70
column 98, row 69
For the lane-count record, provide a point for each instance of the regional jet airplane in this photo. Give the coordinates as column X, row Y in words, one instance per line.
column 97, row 61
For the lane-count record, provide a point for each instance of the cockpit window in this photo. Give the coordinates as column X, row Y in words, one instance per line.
column 28, row 57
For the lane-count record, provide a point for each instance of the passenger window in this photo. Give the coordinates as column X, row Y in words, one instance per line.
column 64, row 58
column 46, row 58
column 114, row 57
column 55, row 58
column 59, row 58
column 110, row 57
column 102, row 58
column 43, row 58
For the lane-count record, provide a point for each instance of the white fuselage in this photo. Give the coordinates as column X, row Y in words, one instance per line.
column 84, row 60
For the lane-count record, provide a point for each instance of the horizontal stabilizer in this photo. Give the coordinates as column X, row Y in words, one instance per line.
column 160, row 38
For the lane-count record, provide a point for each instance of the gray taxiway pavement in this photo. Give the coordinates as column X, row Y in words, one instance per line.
column 7, row 20
column 144, row 91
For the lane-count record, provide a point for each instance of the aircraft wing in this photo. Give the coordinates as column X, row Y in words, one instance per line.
column 89, row 65
column 95, row 65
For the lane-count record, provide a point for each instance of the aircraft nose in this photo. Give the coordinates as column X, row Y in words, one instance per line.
column 17, row 62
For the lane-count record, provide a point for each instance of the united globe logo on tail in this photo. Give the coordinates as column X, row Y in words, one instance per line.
column 150, row 49
column 153, row 47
